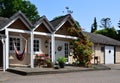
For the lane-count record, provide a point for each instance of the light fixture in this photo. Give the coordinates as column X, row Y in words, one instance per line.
column 46, row 43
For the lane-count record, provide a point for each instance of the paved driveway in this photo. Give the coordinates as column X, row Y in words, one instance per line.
column 103, row 76
column 114, row 66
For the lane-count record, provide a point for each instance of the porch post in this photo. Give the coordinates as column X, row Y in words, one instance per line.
column 53, row 48
column 3, row 42
column 6, row 50
column 31, row 56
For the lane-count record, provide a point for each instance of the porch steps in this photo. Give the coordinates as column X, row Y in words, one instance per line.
column 43, row 71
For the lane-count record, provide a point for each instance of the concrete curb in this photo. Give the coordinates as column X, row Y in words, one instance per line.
column 54, row 71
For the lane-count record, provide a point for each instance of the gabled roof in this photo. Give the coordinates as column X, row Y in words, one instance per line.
column 58, row 22
column 2, row 21
column 101, row 39
column 7, row 21
column 2, row 36
column 45, row 21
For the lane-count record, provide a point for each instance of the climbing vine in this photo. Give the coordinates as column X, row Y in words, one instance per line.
column 82, row 48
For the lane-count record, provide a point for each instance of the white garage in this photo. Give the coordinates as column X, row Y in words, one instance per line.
column 107, row 50
column 109, row 54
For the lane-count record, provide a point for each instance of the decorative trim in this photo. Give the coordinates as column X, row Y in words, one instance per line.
column 64, row 36
column 18, row 30
column 41, row 33
column 14, row 18
column 59, row 48
column 47, row 26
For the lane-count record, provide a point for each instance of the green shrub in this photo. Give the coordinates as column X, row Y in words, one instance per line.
column 61, row 60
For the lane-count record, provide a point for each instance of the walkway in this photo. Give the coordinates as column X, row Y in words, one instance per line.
column 41, row 71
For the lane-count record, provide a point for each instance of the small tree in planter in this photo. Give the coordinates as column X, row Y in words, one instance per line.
column 82, row 47
column 61, row 61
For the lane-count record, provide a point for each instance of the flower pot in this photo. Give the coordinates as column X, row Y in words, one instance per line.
column 61, row 65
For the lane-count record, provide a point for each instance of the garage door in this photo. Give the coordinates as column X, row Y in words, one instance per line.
column 109, row 54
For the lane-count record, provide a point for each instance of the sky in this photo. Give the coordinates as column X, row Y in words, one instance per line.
column 84, row 11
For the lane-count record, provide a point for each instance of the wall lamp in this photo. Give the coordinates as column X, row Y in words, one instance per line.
column 46, row 43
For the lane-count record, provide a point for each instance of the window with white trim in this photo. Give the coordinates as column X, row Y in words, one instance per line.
column 16, row 40
column 36, row 44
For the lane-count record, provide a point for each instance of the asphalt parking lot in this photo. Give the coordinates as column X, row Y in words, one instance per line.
column 102, row 76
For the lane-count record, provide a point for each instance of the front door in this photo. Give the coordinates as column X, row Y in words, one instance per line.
column 61, row 49
column 109, row 54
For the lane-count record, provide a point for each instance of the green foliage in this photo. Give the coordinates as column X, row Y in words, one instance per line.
column 83, row 51
column 78, row 23
column 13, row 6
column 109, row 32
column 61, row 59
column 94, row 26
column 49, row 62
column 57, row 17
column 82, row 47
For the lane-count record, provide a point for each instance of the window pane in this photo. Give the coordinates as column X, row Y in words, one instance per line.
column 16, row 41
column 36, row 45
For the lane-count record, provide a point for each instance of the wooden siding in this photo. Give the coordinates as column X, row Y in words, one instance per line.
column 42, row 28
column 18, row 24
column 64, row 29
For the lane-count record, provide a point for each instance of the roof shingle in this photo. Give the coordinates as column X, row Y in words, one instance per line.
column 101, row 39
column 58, row 20
column 2, row 21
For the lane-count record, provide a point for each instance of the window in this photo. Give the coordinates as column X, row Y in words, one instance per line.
column 66, row 51
column 102, row 49
column 36, row 45
column 16, row 40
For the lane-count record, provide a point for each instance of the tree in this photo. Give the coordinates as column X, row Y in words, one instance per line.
column 94, row 26
column 119, row 24
column 118, row 31
column 78, row 23
column 109, row 32
column 9, row 7
column 82, row 48
column 105, row 23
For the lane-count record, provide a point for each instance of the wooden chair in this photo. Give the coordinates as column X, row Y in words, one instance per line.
column 40, row 59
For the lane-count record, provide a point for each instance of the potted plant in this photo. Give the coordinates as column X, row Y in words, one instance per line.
column 61, row 61
column 49, row 63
